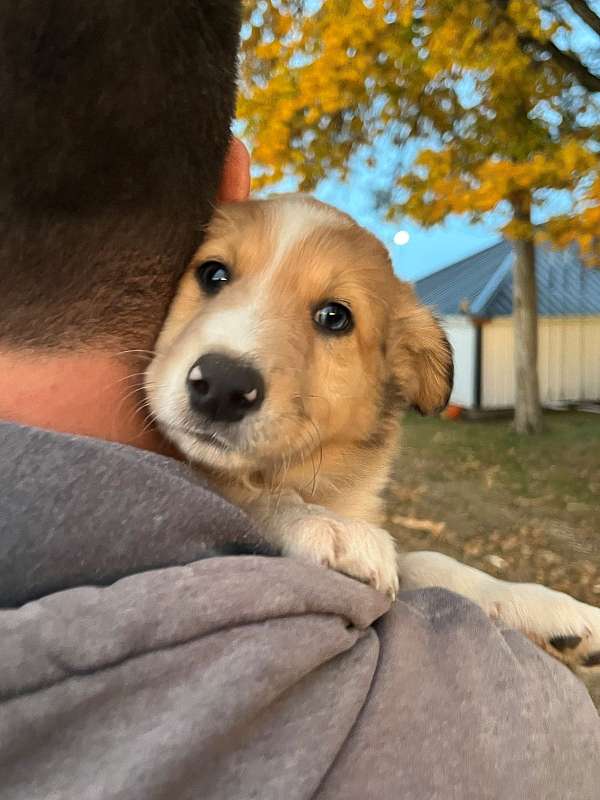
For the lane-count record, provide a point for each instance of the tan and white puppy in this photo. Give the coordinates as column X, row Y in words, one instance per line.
column 287, row 357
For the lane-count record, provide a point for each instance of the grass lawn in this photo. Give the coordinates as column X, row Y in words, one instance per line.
column 520, row 508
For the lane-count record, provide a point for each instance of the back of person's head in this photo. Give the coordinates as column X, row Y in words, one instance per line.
column 114, row 122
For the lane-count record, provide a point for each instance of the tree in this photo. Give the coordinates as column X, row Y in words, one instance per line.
column 502, row 108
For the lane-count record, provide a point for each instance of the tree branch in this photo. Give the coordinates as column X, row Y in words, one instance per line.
column 566, row 60
column 587, row 14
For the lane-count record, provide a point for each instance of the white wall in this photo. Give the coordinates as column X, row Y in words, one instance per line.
column 462, row 336
column 568, row 361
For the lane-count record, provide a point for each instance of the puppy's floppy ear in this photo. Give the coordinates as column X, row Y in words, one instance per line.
column 419, row 353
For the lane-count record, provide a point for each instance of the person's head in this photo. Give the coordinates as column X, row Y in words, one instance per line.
column 114, row 124
column 114, row 128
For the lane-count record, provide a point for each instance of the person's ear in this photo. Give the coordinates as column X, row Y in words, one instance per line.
column 235, row 178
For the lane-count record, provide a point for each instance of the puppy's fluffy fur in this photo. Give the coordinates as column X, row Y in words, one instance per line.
column 311, row 462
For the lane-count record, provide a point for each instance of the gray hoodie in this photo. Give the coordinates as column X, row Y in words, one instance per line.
column 133, row 666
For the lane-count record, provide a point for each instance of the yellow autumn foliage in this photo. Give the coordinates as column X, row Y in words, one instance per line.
column 498, row 124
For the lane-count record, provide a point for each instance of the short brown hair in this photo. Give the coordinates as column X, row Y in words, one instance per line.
column 114, row 121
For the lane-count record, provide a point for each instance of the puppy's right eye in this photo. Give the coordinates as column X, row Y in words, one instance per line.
column 212, row 276
column 334, row 318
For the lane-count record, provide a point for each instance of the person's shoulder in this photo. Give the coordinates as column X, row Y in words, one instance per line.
column 78, row 510
column 18, row 440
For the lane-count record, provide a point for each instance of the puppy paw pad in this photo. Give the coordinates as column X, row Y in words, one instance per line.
column 565, row 642
column 593, row 660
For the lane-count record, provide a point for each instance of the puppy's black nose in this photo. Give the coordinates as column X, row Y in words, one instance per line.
column 224, row 389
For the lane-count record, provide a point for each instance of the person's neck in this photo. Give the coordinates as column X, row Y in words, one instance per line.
column 91, row 394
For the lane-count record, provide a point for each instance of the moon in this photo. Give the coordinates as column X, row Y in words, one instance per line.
column 401, row 238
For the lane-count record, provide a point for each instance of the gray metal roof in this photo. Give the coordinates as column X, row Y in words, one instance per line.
column 481, row 285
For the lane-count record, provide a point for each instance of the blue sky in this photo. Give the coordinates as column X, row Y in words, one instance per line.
column 428, row 249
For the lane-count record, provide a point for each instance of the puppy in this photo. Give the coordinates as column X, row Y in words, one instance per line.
column 282, row 370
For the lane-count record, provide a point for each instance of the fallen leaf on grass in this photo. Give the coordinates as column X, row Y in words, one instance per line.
column 490, row 474
column 532, row 502
column 548, row 557
column 509, row 543
column 414, row 524
column 575, row 507
column 473, row 548
column 407, row 494
column 496, row 561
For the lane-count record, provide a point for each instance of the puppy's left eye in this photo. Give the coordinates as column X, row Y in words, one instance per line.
column 334, row 318
column 212, row 276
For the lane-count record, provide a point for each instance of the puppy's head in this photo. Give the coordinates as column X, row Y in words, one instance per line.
column 290, row 333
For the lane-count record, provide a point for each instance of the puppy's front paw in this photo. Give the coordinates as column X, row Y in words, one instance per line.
column 355, row 548
column 564, row 627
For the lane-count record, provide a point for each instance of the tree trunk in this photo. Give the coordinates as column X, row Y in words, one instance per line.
column 528, row 411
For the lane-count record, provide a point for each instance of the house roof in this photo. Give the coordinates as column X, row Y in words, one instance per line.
column 481, row 285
